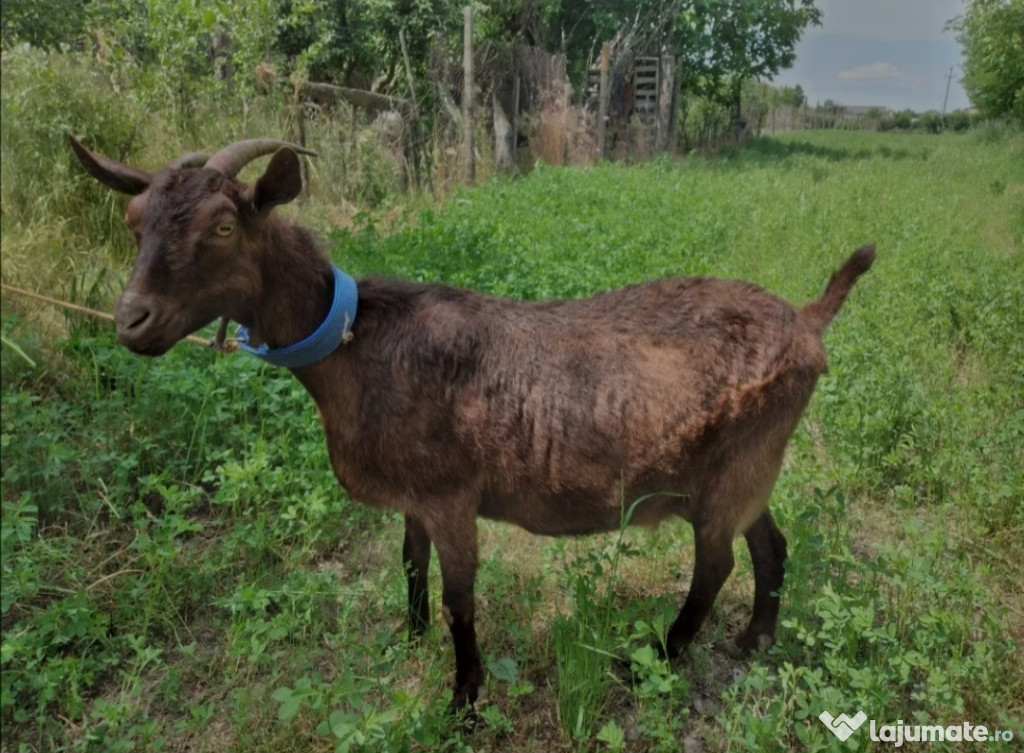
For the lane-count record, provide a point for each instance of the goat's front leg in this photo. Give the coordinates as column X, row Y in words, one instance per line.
column 416, row 559
column 457, row 555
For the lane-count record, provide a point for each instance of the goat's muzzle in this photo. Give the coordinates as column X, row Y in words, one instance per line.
column 139, row 325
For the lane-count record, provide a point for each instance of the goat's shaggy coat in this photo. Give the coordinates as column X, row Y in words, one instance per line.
column 448, row 404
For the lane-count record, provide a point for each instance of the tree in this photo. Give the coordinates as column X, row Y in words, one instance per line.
column 355, row 42
column 46, row 25
column 992, row 36
column 799, row 98
column 721, row 43
column 790, row 96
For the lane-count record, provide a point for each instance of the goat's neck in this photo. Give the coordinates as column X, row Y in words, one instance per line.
column 296, row 286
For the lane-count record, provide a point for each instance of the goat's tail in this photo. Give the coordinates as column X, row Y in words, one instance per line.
column 820, row 312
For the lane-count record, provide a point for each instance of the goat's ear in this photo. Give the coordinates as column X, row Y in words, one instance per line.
column 280, row 183
column 110, row 173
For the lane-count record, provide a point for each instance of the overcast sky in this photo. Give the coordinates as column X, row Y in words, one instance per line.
column 886, row 53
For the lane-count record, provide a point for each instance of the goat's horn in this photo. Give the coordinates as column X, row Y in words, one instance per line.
column 192, row 159
column 109, row 172
column 231, row 159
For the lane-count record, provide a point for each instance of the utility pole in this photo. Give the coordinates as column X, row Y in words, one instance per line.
column 945, row 99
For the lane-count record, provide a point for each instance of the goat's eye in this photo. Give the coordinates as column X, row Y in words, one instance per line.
column 225, row 229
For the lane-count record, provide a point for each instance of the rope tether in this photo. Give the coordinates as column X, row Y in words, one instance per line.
column 225, row 346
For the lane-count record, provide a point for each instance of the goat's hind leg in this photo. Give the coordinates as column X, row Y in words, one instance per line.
column 768, row 554
column 416, row 559
column 714, row 562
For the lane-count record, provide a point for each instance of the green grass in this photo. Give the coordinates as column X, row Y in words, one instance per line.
column 180, row 570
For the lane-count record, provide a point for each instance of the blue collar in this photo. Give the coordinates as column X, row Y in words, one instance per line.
column 332, row 332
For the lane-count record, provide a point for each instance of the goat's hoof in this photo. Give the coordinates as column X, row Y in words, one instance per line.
column 747, row 643
column 462, row 711
column 463, row 706
column 622, row 667
column 416, row 632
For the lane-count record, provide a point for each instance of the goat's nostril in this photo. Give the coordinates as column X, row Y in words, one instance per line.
column 139, row 319
column 132, row 314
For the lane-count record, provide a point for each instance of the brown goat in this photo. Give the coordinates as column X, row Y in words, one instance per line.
column 447, row 404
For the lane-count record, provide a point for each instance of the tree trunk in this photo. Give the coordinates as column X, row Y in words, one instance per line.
column 454, row 126
column 502, row 104
column 468, row 154
column 220, row 51
column 738, row 123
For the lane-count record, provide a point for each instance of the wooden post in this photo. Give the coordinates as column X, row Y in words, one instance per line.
column 353, row 138
column 468, row 159
column 515, row 121
column 666, row 85
column 602, row 101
